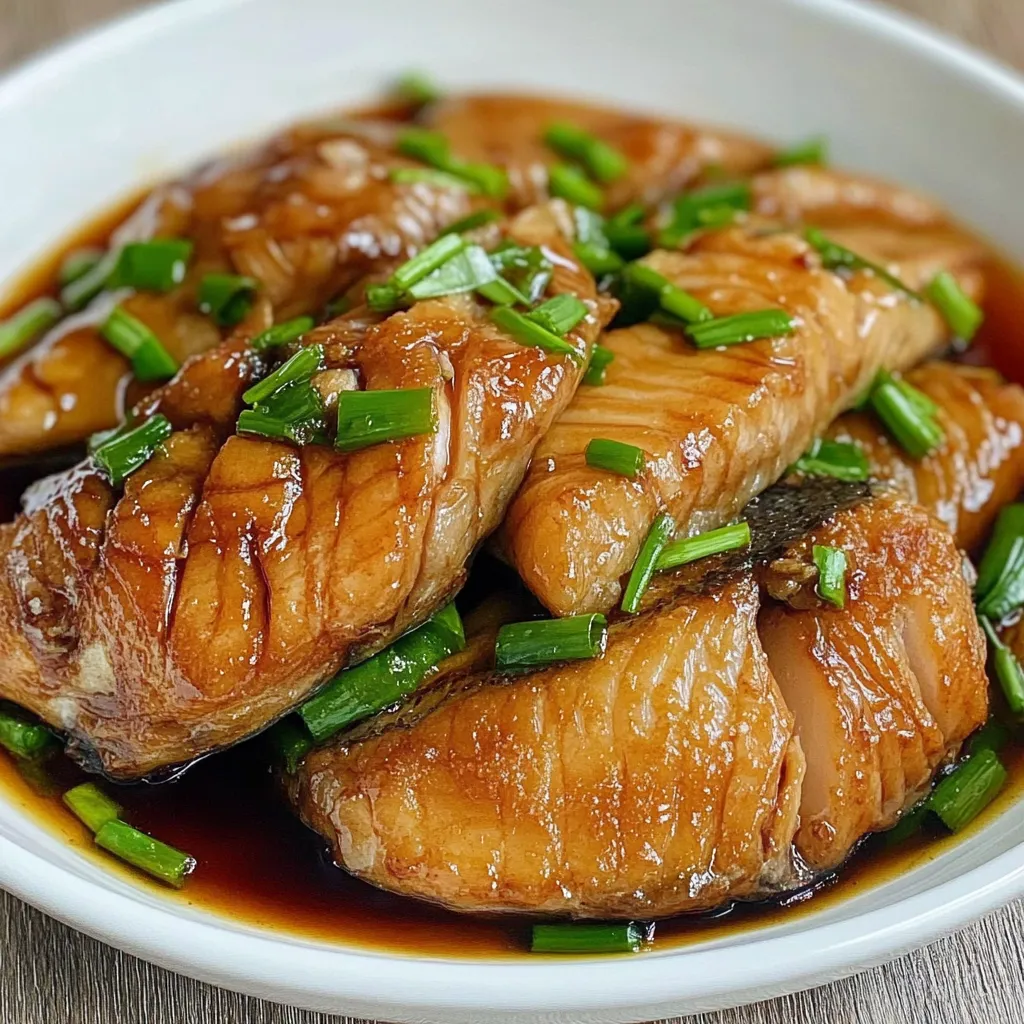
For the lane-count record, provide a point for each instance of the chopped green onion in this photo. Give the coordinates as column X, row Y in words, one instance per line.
column 367, row 418
column 417, row 88
column 24, row 737
column 838, row 257
column 163, row 862
column 600, row 358
column 957, row 308
column 704, row 207
column 472, row 222
column 385, row 678
column 713, row 542
column 424, row 144
column 299, row 367
column 77, row 264
column 467, row 270
column 1006, row 668
column 654, row 543
column 842, row 460
column 126, row 452
column 91, row 806
column 670, row 297
column 810, row 151
column 961, row 796
column 616, row 457
column 831, row 563
column 80, row 291
column 432, row 176
column 294, row 412
column 604, row 163
column 528, row 332
column 543, row 641
column 573, row 937
column 502, row 293
column 1000, row 587
column 427, row 261
column 626, row 234
column 383, row 298
column 154, row 266
column 434, row 149
column 909, row 824
column 560, row 314
column 901, row 409
column 291, row 742
column 993, row 735
column 227, row 297
column 283, row 333
column 741, row 328
column 572, row 185
column 27, row 324
column 598, row 261
column 526, row 268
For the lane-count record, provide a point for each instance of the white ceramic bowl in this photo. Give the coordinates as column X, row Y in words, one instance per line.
column 92, row 120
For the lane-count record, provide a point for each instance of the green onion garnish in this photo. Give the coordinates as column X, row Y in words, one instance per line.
column 385, row 678
column 671, row 298
column 526, row 268
column 417, row 89
column 600, row 358
column 291, row 742
column 543, row 641
column 741, row 328
column 133, row 339
column 432, row 176
column 904, row 411
column 961, row 796
column 27, row 324
column 367, row 418
column 91, row 806
column 528, row 332
column 77, row 264
column 598, row 261
column 24, row 737
column 227, row 297
column 604, row 163
column 842, row 460
column 126, row 452
column 838, row 257
column 957, row 308
column 654, row 543
column 283, row 333
column 1006, row 668
column 383, row 298
column 82, row 289
column 572, row 185
column 469, row 269
column 472, row 222
column 909, row 824
column 154, row 266
column 573, row 937
column 714, row 542
column 713, row 206
column 163, row 862
column 810, row 151
column 626, row 234
column 502, row 293
column 427, row 261
column 433, row 148
column 300, row 367
column 993, row 735
column 616, row 457
column 1000, row 587
column 831, row 563
column 294, row 412
column 560, row 314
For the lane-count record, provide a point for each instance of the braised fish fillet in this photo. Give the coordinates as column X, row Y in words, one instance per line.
column 718, row 426
column 235, row 575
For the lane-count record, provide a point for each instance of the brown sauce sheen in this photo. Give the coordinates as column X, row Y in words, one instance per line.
column 258, row 865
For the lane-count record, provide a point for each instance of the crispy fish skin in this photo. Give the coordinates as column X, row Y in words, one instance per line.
column 884, row 690
column 659, row 779
column 233, row 576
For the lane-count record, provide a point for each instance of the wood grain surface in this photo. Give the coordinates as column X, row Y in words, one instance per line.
column 50, row 974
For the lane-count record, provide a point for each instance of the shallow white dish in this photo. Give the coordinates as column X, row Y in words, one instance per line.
column 151, row 94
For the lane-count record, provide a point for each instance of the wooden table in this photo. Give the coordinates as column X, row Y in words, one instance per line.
column 50, row 974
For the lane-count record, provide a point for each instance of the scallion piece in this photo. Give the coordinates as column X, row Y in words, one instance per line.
column 502, row 293
column 831, row 564
column 427, row 261
column 467, row 270
column 432, row 176
column 810, row 151
column 841, row 460
column 838, row 257
column 300, row 366
column 528, row 332
column 741, row 328
column 385, row 678
column 526, row 268
column 671, row 298
column 1006, row 668
column 294, row 412
column 961, row 796
column 80, row 291
column 472, row 222
column 24, row 737
column 154, row 266
column 283, row 333
column 383, row 298
column 367, row 418
column 433, row 148
column 909, row 825
column 603, row 162
column 1000, row 587
column 417, row 89
column 597, row 260
column 560, row 314
column 905, row 417
column 616, row 457
column 957, row 308
column 77, row 264
column 713, row 542
column 572, row 185
column 600, row 359
column 704, row 207
column 626, row 234
column 291, row 742
column 993, row 735
column 163, row 862
column 543, row 641
column 227, row 298
column 654, row 543
column 91, row 806
column 126, row 452
column 573, row 937
column 27, row 324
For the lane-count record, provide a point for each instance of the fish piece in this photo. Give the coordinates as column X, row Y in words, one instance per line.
column 884, row 690
column 234, row 576
column 718, row 425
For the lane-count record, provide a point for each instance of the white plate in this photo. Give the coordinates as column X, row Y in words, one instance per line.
column 94, row 119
